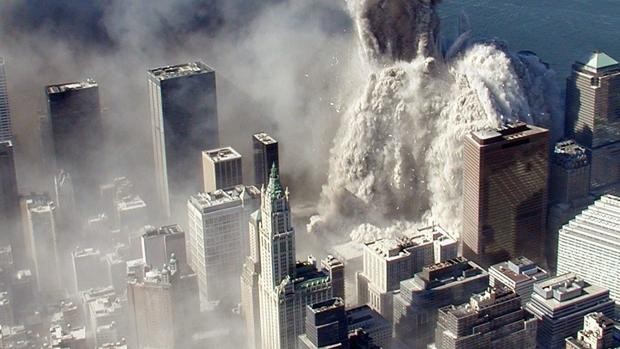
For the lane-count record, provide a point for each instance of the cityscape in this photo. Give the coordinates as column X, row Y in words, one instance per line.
column 305, row 174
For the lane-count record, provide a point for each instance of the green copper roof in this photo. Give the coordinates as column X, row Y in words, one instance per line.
column 274, row 187
column 599, row 60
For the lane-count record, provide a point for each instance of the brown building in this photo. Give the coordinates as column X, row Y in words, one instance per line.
column 505, row 173
column 593, row 113
column 9, row 199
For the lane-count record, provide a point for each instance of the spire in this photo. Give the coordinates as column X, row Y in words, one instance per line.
column 274, row 187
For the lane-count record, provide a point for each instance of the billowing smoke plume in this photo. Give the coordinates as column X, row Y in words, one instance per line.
column 396, row 161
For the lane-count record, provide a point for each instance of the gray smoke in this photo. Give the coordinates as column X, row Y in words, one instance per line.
column 396, row 162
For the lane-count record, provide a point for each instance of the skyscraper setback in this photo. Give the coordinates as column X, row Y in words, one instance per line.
column 265, row 156
column 76, row 128
column 6, row 132
column 505, row 175
column 183, row 108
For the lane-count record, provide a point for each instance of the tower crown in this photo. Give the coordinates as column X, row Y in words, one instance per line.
column 274, row 188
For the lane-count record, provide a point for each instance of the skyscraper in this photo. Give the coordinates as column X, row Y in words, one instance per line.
column 560, row 303
column 505, row 173
column 387, row 262
column 183, row 108
column 221, row 169
column 88, row 270
column 593, row 113
column 6, row 132
column 9, row 197
column 286, row 286
column 335, row 268
column 493, row 319
column 265, row 156
column 326, row 325
column 518, row 274
column 158, row 244
column 74, row 114
column 40, row 235
column 436, row 286
column 218, row 240
column 250, row 292
column 589, row 245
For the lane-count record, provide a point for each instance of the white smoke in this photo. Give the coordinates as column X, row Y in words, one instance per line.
column 396, row 162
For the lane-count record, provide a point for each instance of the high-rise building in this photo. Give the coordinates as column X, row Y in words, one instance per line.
column 88, row 270
column 265, row 157
column 116, row 270
column 518, row 274
column 326, row 325
column 560, row 303
column 597, row 333
column 569, row 191
column 593, row 112
column 589, row 245
column 250, row 295
column 64, row 197
column 436, row 286
column 285, row 286
column 493, row 319
column 389, row 261
column 159, row 243
column 335, row 268
column 9, row 197
column 218, row 240
column 376, row 326
column 221, row 169
column 163, row 304
column 106, row 318
column 183, row 108
column 505, row 174
column 75, row 120
column 6, row 132
column 40, row 235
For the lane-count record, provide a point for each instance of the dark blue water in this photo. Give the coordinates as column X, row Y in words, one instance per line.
column 559, row 31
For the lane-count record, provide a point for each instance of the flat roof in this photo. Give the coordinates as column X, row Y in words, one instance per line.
column 509, row 131
column 172, row 229
column 220, row 197
column 221, row 154
column 70, row 86
column 265, row 138
column 393, row 248
column 184, row 69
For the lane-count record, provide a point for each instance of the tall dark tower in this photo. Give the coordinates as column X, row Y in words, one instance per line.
column 76, row 128
column 593, row 114
column 183, row 107
column 265, row 156
column 6, row 133
column 9, row 197
column 505, row 174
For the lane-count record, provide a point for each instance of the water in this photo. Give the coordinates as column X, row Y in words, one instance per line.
column 559, row 31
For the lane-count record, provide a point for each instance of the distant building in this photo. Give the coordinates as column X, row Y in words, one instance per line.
column 88, row 270
column 493, row 319
column 40, row 235
column 436, row 286
column 560, row 303
column 221, row 169
column 597, row 333
column 335, row 268
column 569, row 191
column 218, row 240
column 285, row 286
column 593, row 113
column 265, row 157
column 387, row 262
column 75, row 120
column 116, row 270
column 6, row 132
column 107, row 319
column 326, row 326
column 371, row 322
column 64, row 196
column 9, row 197
column 183, row 108
column 159, row 243
column 71, row 338
column 505, row 174
column 589, row 245
column 518, row 274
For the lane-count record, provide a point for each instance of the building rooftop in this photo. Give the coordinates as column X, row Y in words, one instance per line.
column 70, row 86
column 221, row 154
column 332, row 303
column 215, row 199
column 508, row 132
column 265, row 138
column 172, row 229
column 480, row 301
column 520, row 270
column 365, row 317
column 564, row 290
column 599, row 224
column 570, row 155
column 175, row 71
column 86, row 252
column 598, row 60
column 393, row 248
column 443, row 274
column 130, row 202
